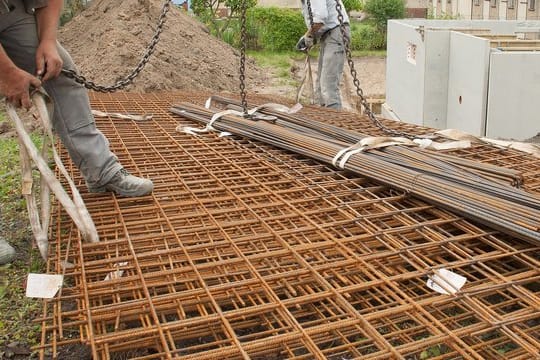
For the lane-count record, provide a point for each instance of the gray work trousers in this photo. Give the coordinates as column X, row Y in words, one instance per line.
column 330, row 69
column 72, row 119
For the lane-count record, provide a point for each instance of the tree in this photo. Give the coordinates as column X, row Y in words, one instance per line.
column 383, row 10
column 210, row 12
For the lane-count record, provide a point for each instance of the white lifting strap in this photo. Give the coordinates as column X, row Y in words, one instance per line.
column 209, row 127
column 39, row 220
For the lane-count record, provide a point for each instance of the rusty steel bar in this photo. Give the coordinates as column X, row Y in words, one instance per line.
column 244, row 250
column 454, row 168
column 489, row 203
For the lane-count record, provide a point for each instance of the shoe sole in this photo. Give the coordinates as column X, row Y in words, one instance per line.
column 134, row 193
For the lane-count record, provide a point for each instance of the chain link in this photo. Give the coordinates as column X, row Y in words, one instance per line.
column 310, row 14
column 243, row 40
column 142, row 63
column 359, row 91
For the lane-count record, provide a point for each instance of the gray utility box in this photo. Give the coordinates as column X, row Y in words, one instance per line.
column 478, row 76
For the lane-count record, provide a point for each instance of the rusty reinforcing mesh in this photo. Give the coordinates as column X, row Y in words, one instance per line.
column 247, row 251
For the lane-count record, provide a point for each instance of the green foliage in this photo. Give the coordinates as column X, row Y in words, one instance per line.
column 434, row 351
column 368, row 53
column 431, row 352
column 383, row 10
column 351, row 5
column 9, row 166
column 71, row 9
column 505, row 348
column 366, row 37
column 232, row 35
column 279, row 63
column 13, row 210
column 276, row 29
column 16, row 310
column 218, row 15
column 442, row 16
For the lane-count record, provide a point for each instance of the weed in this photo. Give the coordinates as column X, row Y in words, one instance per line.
column 506, row 347
column 16, row 310
column 280, row 63
column 434, row 351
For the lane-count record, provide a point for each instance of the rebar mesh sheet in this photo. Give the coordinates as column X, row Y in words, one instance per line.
column 246, row 251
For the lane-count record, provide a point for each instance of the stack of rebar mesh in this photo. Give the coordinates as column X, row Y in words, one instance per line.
column 256, row 246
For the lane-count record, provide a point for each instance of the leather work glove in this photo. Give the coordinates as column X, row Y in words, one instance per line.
column 305, row 43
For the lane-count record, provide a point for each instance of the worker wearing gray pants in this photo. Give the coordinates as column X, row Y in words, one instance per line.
column 24, row 53
column 324, row 26
column 29, row 51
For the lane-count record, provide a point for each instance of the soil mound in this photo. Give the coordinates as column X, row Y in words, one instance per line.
column 108, row 39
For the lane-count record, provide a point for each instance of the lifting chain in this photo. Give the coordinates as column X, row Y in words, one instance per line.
column 142, row 63
column 359, row 92
column 310, row 13
column 243, row 40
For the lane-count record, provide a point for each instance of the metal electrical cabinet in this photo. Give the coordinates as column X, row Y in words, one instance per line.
column 480, row 77
column 514, row 95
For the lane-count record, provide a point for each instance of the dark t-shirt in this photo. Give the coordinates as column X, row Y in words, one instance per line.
column 7, row 5
column 34, row 4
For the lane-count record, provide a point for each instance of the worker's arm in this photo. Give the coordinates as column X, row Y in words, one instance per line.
column 48, row 61
column 314, row 29
column 308, row 39
column 320, row 15
column 15, row 83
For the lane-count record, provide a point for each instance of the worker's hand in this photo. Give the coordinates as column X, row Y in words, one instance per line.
column 15, row 85
column 48, row 61
column 305, row 42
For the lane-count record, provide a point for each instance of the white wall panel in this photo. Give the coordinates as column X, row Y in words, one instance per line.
column 404, row 75
column 514, row 95
column 436, row 78
column 467, row 83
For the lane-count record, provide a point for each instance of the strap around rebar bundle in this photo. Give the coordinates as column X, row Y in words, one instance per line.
column 367, row 143
column 209, row 127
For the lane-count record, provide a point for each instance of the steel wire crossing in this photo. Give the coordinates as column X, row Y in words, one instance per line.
column 246, row 251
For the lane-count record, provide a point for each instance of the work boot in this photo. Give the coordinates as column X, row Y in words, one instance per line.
column 125, row 184
column 7, row 253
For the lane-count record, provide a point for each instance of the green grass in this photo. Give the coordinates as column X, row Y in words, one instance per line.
column 368, row 53
column 10, row 175
column 281, row 62
column 16, row 310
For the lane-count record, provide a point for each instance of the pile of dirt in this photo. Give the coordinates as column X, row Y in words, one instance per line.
column 108, row 39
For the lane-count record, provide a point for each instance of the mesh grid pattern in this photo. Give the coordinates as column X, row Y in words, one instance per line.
column 245, row 251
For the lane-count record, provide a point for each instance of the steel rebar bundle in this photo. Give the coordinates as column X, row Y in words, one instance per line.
column 502, row 207
column 453, row 164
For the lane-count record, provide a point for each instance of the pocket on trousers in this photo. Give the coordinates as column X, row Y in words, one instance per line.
column 75, row 124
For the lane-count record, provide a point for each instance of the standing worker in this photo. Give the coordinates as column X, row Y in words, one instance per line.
column 30, row 57
column 324, row 27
